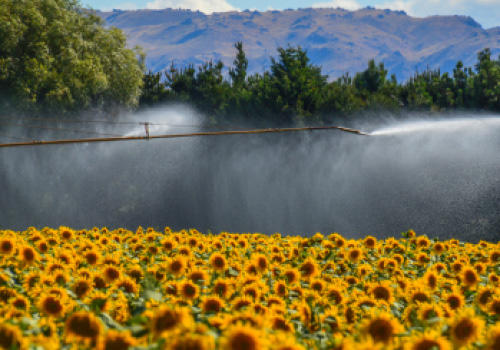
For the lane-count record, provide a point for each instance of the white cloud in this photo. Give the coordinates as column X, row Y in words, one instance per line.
column 345, row 4
column 206, row 6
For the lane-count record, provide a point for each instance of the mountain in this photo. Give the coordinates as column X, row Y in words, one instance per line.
column 338, row 40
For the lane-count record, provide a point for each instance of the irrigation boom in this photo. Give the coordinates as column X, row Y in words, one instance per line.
column 171, row 136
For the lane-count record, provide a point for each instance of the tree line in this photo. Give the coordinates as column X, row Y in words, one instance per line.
column 294, row 89
column 56, row 56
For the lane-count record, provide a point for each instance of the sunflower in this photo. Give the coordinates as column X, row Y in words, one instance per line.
column 52, row 305
column 318, row 285
column 99, row 282
column 189, row 290
column 7, row 246
column 280, row 288
column 111, row 273
column 218, row 262
column 11, row 337
column 20, row 302
column 191, row 342
column 30, row 280
column 382, row 291
column 354, row 255
column 177, row 266
column 212, row 304
column 364, row 270
column 128, row 285
column 261, row 262
column 335, row 294
column 168, row 244
column 241, row 337
column 422, row 259
column 457, row 266
column 428, row 311
column 466, row 328
column 370, row 242
column 167, row 319
column 418, row 294
column 422, row 242
column 42, row 246
column 82, row 287
column 92, row 257
column 281, row 341
column 484, row 295
column 493, row 337
column 469, row 277
column 430, row 340
column 114, row 340
column 381, row 327
column 309, row 268
column 241, row 303
column 494, row 306
column 27, row 255
column 438, row 247
column 292, row 275
column 198, row 276
column 454, row 300
column 83, row 325
column 222, row 287
column 135, row 271
column 431, row 279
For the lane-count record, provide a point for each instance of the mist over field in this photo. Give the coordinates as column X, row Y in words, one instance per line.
column 436, row 175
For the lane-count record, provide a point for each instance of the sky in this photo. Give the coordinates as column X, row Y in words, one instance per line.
column 486, row 12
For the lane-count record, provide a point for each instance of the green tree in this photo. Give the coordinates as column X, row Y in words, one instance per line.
column 372, row 79
column 294, row 87
column 238, row 74
column 487, row 81
column 57, row 56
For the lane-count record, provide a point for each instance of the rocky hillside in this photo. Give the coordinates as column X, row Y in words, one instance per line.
column 338, row 40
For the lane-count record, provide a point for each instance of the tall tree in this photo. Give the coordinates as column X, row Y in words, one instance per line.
column 238, row 74
column 57, row 56
column 296, row 87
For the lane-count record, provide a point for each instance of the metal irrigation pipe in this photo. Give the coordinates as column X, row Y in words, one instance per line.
column 171, row 136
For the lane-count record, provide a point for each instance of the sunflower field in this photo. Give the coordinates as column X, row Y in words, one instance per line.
column 120, row 289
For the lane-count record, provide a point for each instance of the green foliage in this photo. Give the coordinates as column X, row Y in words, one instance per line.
column 295, row 90
column 239, row 72
column 56, row 56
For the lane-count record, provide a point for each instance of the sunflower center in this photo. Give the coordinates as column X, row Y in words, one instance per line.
column 454, row 302
column 166, row 321
column 485, row 296
column 176, row 266
column 116, row 344
column 243, row 341
column 28, row 254
column 381, row 292
column 83, row 326
column 420, row 296
column 219, row 262
column 189, row 290
column 7, row 246
column 52, row 306
column 8, row 339
column 426, row 344
column 464, row 330
column 470, row 277
column 212, row 305
column 380, row 330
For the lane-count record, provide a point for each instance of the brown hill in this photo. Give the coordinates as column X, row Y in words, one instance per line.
column 338, row 40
